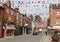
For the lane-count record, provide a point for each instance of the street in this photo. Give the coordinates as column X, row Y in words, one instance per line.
column 28, row 38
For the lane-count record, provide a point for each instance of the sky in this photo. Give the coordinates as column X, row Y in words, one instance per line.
column 40, row 7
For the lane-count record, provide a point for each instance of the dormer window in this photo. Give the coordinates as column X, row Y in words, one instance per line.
column 57, row 13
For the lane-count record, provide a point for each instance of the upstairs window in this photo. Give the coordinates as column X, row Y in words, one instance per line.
column 57, row 13
column 7, row 10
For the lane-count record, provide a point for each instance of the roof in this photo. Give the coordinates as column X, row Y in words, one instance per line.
column 55, row 6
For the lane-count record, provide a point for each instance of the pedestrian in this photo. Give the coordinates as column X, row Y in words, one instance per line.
column 46, row 32
column 20, row 30
column 26, row 28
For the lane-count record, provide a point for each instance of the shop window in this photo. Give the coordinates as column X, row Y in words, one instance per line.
column 9, row 32
column 57, row 21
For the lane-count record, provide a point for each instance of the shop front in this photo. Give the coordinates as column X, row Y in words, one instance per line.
column 9, row 31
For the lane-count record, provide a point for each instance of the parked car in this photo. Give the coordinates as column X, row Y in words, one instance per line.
column 36, row 31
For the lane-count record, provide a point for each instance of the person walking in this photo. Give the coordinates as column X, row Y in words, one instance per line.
column 46, row 32
column 26, row 28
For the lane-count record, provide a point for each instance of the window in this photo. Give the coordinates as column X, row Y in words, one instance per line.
column 57, row 13
column 11, row 13
column 7, row 10
column 57, row 21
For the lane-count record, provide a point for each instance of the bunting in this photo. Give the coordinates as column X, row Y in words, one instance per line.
column 44, row 1
column 32, row 5
column 38, row 1
column 18, row 2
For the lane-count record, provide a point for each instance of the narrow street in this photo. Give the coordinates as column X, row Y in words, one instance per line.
column 27, row 38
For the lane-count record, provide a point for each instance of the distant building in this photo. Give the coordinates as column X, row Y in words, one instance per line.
column 54, row 20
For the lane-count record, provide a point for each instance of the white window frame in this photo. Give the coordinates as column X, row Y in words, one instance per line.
column 57, row 13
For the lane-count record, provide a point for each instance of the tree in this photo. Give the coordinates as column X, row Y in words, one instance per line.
column 37, row 17
column 17, row 9
column 31, row 17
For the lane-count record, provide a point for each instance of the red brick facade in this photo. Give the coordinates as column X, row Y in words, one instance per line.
column 54, row 15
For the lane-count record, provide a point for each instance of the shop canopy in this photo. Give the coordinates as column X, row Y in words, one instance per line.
column 10, row 27
column 54, row 27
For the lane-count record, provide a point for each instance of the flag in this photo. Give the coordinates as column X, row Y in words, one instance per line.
column 41, row 14
column 44, row 1
column 37, row 5
column 35, row 2
column 48, row 1
column 18, row 2
column 38, row 1
column 22, row 2
column 32, row 2
column 46, row 7
column 12, row 1
column 29, row 2
column 21, row 6
column 34, row 5
column 29, row 5
column 18, row 6
column 26, row 3
column 43, row 5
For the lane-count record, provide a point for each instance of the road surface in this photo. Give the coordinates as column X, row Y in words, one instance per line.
column 27, row 38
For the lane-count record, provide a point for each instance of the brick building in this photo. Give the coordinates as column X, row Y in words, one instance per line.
column 54, row 14
column 1, row 19
column 54, row 21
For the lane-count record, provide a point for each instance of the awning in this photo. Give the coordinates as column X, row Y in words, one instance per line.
column 54, row 27
column 10, row 27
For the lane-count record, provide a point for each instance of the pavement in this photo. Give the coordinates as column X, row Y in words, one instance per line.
column 28, row 38
column 13, row 37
